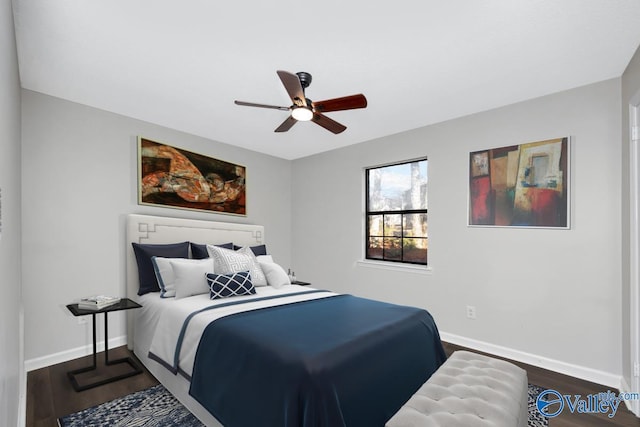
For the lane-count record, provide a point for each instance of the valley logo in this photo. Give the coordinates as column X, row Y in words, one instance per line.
column 551, row 403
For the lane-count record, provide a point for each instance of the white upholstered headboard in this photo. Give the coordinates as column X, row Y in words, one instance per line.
column 156, row 230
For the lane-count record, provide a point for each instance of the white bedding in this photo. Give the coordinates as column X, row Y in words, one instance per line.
column 143, row 322
column 167, row 317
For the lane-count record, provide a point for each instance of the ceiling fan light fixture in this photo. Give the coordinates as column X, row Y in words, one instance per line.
column 302, row 114
column 303, row 109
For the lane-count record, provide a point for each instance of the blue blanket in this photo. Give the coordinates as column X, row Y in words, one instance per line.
column 338, row 361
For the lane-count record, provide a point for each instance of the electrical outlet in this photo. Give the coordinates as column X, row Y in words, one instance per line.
column 471, row 312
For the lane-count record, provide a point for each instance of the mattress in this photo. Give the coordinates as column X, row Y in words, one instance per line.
column 340, row 360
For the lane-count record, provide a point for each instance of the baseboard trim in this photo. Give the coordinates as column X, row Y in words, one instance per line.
column 74, row 353
column 632, row 405
column 22, row 402
column 584, row 373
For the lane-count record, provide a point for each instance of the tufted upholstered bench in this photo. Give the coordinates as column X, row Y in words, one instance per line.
column 468, row 390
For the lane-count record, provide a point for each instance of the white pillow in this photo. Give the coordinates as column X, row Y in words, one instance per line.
column 165, row 276
column 264, row 258
column 227, row 261
column 276, row 276
column 190, row 276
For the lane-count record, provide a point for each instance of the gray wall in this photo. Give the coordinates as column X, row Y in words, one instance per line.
column 79, row 181
column 630, row 88
column 11, row 366
column 550, row 294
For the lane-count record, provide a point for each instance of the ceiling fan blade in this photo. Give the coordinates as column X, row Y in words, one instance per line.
column 252, row 104
column 327, row 123
column 286, row 125
column 338, row 104
column 292, row 84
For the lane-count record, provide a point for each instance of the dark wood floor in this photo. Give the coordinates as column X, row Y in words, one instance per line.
column 50, row 395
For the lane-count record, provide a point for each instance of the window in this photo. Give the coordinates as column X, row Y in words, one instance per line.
column 396, row 212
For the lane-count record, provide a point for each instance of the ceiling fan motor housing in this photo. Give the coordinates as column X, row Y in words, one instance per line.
column 305, row 79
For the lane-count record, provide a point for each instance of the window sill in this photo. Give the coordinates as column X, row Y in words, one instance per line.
column 407, row 268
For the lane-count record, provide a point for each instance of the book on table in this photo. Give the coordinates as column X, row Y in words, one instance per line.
column 97, row 302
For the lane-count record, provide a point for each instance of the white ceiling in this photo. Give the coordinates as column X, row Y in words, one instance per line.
column 182, row 63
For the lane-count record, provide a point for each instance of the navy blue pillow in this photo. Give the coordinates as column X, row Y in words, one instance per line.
column 257, row 250
column 199, row 251
column 230, row 285
column 146, row 273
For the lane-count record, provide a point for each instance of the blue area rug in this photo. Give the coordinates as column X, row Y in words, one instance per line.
column 157, row 407
column 154, row 406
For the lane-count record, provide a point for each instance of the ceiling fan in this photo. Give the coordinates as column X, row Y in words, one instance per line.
column 303, row 109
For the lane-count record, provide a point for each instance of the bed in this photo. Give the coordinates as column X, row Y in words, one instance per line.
column 280, row 356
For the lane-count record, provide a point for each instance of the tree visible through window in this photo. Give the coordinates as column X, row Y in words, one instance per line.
column 396, row 217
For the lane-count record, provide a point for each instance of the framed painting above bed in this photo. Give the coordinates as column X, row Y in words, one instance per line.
column 177, row 178
column 524, row 185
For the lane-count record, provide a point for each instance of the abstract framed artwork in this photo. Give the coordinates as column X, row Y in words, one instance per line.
column 177, row 178
column 524, row 185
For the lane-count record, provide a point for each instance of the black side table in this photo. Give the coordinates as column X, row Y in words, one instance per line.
column 123, row 304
